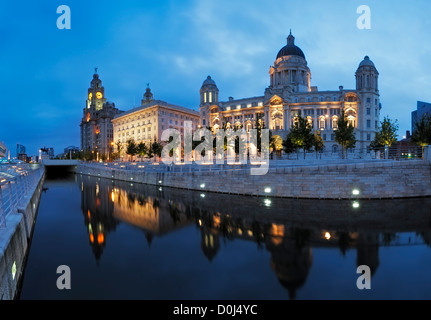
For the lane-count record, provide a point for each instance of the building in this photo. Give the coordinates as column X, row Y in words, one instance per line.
column 422, row 109
column 96, row 126
column 3, row 150
column 20, row 149
column 290, row 93
column 147, row 122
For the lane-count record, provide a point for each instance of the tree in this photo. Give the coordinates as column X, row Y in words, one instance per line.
column 141, row 149
column 422, row 134
column 388, row 133
column 156, row 148
column 288, row 145
column 318, row 143
column 345, row 135
column 386, row 136
column 131, row 148
column 260, row 125
column 119, row 147
column 301, row 134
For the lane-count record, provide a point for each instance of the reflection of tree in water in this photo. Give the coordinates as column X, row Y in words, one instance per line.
column 174, row 212
column 344, row 241
column 388, row 237
column 301, row 236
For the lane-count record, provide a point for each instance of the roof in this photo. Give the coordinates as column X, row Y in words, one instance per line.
column 156, row 103
column 290, row 49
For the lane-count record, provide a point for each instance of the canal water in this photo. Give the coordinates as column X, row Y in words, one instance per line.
column 133, row 241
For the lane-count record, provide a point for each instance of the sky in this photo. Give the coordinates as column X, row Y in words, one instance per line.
column 174, row 45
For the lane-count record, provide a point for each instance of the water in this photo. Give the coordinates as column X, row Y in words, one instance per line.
column 131, row 241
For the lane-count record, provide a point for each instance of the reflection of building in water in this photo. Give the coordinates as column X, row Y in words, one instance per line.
column 154, row 215
column 210, row 237
column 97, row 211
column 290, row 259
column 368, row 250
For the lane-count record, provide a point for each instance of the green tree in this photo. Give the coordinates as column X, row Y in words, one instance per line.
column 156, row 148
column 119, row 147
column 422, row 134
column 131, row 148
column 345, row 134
column 288, row 146
column 141, row 149
column 301, row 134
column 387, row 134
column 318, row 143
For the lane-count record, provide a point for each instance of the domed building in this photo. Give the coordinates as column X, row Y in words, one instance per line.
column 290, row 93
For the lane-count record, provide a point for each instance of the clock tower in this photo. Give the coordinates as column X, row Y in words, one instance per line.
column 96, row 93
column 96, row 126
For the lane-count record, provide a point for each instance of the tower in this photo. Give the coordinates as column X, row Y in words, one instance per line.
column 209, row 92
column 367, row 77
column 367, row 89
column 96, row 126
column 148, row 96
column 96, row 93
column 290, row 72
column 209, row 97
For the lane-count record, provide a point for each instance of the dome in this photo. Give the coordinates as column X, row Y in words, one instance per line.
column 367, row 62
column 208, row 82
column 290, row 49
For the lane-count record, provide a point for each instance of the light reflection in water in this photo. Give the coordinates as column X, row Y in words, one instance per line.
column 288, row 229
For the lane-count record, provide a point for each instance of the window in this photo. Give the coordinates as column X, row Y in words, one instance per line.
column 376, row 125
column 368, row 111
column 332, row 137
column 334, row 123
column 322, row 123
column 376, row 112
column 324, row 136
column 368, row 100
column 211, row 97
column 203, row 122
column 368, row 137
column 375, row 102
column 368, row 123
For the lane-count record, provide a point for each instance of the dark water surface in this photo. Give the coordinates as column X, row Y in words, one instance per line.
column 132, row 241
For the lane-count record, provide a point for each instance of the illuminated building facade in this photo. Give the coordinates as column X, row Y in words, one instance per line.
column 96, row 127
column 147, row 122
column 290, row 93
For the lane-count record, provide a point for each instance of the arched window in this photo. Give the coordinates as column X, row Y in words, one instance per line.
column 351, row 121
column 334, row 122
column 310, row 121
column 322, row 123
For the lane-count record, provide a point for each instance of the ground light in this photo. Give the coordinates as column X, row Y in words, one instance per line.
column 356, row 192
column 267, row 190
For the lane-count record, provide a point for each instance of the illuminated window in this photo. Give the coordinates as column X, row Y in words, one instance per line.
column 211, row 97
column 335, row 122
column 322, row 123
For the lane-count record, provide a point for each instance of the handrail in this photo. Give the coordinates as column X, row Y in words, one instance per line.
column 14, row 190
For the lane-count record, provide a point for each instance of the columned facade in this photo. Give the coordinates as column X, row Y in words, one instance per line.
column 290, row 94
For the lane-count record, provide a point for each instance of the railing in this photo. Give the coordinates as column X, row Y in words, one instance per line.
column 16, row 183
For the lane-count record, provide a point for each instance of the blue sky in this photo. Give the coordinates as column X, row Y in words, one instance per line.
column 174, row 45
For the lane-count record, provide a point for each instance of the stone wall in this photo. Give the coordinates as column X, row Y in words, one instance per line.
column 15, row 239
column 371, row 180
